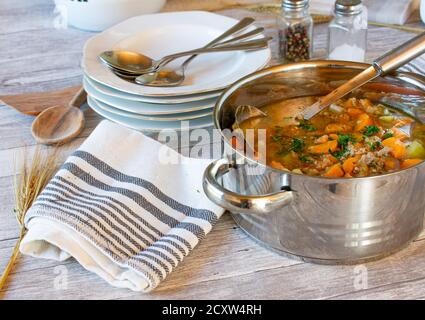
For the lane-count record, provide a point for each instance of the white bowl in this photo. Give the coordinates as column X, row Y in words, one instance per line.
column 98, row 15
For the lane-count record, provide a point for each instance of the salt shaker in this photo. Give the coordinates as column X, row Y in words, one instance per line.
column 295, row 26
column 347, row 33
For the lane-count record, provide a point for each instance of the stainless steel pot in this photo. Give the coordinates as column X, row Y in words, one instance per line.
column 319, row 219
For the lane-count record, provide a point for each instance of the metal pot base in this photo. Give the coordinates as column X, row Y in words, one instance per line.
column 281, row 251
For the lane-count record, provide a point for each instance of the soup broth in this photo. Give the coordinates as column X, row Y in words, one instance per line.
column 352, row 138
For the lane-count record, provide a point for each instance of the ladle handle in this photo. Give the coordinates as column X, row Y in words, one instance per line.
column 400, row 55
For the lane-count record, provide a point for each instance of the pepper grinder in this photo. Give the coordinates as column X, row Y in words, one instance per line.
column 295, row 26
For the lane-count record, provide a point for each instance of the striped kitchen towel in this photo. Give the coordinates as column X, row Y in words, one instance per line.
column 124, row 206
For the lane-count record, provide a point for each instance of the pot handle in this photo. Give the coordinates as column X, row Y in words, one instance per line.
column 236, row 202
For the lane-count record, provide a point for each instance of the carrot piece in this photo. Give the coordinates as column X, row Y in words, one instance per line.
column 234, row 142
column 348, row 164
column 402, row 122
column 398, row 149
column 334, row 172
column 322, row 139
column 337, row 127
column 277, row 165
column 354, row 112
column 391, row 164
column 399, row 134
column 333, row 136
column 357, row 136
column 362, row 122
column 409, row 163
column 330, row 158
column 324, row 147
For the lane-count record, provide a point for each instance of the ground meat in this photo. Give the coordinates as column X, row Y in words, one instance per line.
column 353, row 150
column 383, row 152
column 368, row 158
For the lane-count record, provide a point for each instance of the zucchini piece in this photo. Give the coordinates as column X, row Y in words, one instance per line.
column 416, row 150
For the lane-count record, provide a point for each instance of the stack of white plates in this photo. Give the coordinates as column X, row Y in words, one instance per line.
column 151, row 108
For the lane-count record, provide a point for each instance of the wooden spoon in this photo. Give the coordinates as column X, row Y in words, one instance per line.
column 60, row 124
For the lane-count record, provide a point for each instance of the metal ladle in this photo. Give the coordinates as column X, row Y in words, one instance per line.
column 388, row 62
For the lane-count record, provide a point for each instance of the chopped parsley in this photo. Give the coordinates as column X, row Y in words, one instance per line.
column 370, row 131
column 339, row 154
column 344, row 139
column 304, row 124
column 278, row 129
column 387, row 135
column 306, row 159
column 277, row 138
column 297, row 145
column 374, row 146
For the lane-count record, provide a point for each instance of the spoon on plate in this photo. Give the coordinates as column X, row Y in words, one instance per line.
column 60, row 124
column 133, row 62
column 388, row 62
column 163, row 77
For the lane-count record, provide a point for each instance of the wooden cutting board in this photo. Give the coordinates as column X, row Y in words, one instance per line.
column 34, row 103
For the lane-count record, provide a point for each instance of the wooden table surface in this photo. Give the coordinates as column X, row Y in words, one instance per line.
column 227, row 264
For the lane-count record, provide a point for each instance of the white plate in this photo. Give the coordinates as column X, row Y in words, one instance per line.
column 167, row 117
column 143, row 125
column 158, row 100
column 143, row 108
column 161, row 34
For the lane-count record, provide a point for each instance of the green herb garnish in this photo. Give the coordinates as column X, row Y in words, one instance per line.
column 297, row 145
column 304, row 124
column 306, row 159
column 278, row 129
column 277, row 138
column 370, row 130
column 387, row 135
column 344, row 139
column 339, row 154
column 373, row 146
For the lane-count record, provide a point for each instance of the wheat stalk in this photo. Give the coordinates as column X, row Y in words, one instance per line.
column 29, row 181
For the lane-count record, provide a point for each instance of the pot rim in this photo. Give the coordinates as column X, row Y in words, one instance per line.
column 337, row 64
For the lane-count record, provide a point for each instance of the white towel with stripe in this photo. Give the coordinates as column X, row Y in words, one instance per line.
column 121, row 211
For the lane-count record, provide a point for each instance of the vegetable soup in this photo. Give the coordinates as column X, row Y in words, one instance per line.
column 352, row 138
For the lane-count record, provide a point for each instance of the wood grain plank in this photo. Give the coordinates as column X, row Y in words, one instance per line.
column 288, row 281
column 35, row 57
column 224, row 253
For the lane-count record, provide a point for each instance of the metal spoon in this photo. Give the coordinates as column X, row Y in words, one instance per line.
column 116, row 58
column 382, row 65
column 134, row 62
column 173, row 77
column 60, row 124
